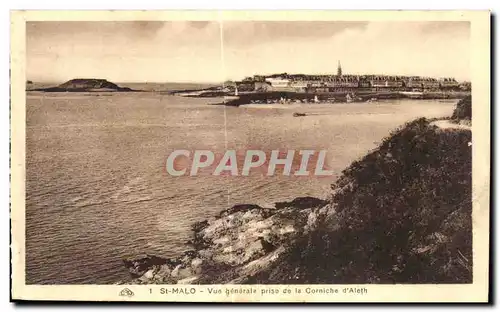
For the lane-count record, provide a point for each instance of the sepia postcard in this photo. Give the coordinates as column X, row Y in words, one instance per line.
column 250, row 156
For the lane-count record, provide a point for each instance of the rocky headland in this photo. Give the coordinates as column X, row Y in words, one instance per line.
column 401, row 214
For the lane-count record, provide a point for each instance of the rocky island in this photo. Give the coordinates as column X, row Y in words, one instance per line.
column 86, row 85
column 401, row 214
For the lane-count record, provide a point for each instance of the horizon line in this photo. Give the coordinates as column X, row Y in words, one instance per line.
column 115, row 81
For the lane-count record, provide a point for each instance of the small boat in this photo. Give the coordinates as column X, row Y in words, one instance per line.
column 412, row 94
column 190, row 94
column 230, row 97
column 299, row 114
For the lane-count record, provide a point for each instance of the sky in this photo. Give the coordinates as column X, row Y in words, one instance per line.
column 188, row 51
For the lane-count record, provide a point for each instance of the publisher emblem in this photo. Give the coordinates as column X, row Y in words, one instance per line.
column 126, row 293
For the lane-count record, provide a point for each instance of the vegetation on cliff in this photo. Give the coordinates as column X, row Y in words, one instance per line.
column 463, row 110
column 402, row 214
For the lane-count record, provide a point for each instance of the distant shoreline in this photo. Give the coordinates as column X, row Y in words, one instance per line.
column 339, row 97
column 254, row 97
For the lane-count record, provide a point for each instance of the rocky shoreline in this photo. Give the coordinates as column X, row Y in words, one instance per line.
column 232, row 247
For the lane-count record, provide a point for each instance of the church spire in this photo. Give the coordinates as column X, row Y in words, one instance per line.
column 339, row 70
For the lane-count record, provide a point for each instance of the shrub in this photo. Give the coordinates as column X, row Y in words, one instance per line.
column 463, row 110
column 403, row 216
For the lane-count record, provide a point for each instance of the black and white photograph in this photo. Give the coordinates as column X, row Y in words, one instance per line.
column 333, row 155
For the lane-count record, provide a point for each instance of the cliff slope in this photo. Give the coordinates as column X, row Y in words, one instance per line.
column 402, row 214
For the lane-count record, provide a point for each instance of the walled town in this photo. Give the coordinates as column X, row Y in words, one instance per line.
column 339, row 87
column 344, row 83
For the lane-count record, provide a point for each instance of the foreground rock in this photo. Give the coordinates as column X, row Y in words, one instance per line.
column 86, row 85
column 232, row 247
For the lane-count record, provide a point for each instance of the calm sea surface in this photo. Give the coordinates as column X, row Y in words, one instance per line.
column 97, row 190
